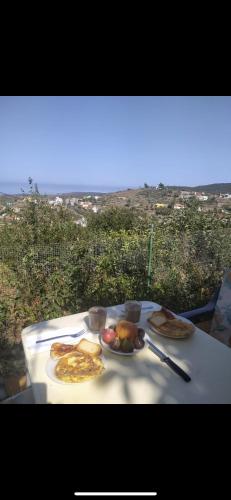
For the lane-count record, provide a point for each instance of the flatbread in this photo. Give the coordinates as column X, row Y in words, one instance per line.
column 78, row 367
column 175, row 328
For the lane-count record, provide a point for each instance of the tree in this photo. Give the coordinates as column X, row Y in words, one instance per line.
column 146, row 185
column 36, row 190
column 192, row 203
column 114, row 219
column 161, row 186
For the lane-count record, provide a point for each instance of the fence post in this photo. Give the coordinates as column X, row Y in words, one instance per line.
column 150, row 246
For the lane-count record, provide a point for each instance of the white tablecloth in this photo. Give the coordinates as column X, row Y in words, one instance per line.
column 142, row 378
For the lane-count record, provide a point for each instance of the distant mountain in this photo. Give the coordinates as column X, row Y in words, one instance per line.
column 208, row 188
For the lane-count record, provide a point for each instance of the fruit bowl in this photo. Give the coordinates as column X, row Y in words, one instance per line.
column 119, row 343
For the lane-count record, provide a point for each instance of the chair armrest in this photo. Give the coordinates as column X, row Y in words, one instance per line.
column 206, row 312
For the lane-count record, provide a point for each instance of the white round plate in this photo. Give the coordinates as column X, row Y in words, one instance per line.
column 120, row 353
column 50, row 371
column 186, row 320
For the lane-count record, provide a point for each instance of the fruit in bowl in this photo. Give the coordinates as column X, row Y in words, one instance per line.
column 139, row 343
column 124, row 337
column 115, row 344
column 126, row 330
column 127, row 346
column 108, row 335
column 141, row 333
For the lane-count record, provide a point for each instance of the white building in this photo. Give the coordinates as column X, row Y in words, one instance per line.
column 85, row 204
column 202, row 197
column 95, row 209
column 57, row 201
column 227, row 195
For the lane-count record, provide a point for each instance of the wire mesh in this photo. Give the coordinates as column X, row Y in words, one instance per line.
column 44, row 281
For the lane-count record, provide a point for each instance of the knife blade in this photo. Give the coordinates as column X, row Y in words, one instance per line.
column 168, row 361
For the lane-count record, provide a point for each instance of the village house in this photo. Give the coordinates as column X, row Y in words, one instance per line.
column 85, row 204
column 202, row 197
column 185, row 195
column 161, row 205
column 57, row 201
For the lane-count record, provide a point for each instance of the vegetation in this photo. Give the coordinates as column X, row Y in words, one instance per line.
column 50, row 266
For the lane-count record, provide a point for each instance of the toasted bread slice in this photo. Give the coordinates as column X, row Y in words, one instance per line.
column 90, row 348
column 58, row 350
column 157, row 318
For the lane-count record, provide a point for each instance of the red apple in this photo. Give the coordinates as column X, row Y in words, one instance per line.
column 108, row 335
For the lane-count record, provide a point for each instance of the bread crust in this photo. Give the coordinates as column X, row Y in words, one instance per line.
column 90, row 348
column 158, row 318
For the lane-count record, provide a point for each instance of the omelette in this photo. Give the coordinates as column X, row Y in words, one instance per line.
column 78, row 367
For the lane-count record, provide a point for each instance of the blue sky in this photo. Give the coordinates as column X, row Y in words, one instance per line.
column 116, row 141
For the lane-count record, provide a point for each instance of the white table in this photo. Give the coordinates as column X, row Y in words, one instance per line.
column 142, row 378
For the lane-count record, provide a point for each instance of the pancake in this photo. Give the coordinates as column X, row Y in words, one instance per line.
column 78, row 367
column 175, row 328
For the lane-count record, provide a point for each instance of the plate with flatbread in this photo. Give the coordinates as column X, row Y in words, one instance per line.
column 168, row 324
column 75, row 363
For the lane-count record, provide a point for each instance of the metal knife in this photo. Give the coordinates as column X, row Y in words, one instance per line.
column 169, row 361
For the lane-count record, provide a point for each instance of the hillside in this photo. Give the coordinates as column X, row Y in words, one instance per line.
column 208, row 188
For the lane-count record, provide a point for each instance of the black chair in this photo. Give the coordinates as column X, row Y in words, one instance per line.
column 204, row 313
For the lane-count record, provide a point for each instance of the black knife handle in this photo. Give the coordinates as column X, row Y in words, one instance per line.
column 177, row 369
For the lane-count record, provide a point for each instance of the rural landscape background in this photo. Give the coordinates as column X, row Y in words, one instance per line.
column 61, row 254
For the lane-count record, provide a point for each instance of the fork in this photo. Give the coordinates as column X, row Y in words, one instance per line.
column 73, row 335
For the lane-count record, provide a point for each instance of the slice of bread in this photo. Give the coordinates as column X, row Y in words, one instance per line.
column 58, row 350
column 87, row 347
column 157, row 318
